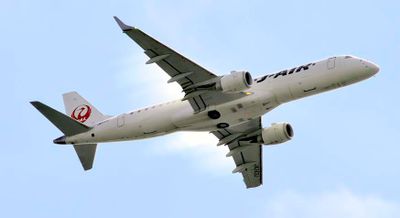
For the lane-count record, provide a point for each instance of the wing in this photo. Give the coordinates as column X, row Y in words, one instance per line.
column 245, row 150
column 194, row 79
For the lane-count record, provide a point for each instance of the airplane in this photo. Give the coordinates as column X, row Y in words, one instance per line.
column 228, row 106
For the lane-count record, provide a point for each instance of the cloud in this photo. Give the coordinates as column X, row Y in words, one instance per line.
column 340, row 203
column 147, row 83
column 200, row 149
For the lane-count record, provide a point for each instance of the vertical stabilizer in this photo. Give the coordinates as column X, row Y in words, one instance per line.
column 81, row 110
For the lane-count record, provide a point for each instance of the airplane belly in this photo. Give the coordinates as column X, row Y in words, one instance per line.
column 239, row 112
column 152, row 123
column 185, row 118
column 283, row 93
column 157, row 124
column 231, row 113
column 304, row 87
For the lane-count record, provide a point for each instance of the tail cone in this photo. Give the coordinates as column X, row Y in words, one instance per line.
column 60, row 140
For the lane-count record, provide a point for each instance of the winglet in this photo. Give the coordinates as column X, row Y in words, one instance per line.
column 123, row 26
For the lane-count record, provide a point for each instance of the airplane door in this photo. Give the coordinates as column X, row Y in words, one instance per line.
column 331, row 63
column 121, row 120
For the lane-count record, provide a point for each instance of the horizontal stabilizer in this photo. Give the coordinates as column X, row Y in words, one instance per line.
column 86, row 153
column 65, row 124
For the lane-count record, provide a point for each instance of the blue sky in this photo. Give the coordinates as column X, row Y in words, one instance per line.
column 342, row 162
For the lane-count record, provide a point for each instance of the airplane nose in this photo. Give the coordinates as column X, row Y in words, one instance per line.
column 372, row 68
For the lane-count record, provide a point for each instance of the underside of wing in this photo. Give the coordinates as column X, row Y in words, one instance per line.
column 245, row 150
column 195, row 81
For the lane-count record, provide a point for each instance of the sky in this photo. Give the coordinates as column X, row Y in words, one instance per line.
column 342, row 162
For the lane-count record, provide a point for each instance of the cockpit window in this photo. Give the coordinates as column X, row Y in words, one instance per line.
column 346, row 57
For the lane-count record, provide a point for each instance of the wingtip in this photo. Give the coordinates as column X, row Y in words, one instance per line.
column 34, row 103
column 87, row 168
column 122, row 25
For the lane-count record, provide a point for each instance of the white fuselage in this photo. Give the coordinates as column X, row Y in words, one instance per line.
column 265, row 94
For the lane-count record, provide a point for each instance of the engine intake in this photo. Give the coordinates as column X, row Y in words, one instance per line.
column 277, row 133
column 237, row 81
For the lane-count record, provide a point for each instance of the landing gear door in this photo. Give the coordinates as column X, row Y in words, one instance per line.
column 331, row 63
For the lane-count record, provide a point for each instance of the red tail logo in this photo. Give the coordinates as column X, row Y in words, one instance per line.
column 81, row 113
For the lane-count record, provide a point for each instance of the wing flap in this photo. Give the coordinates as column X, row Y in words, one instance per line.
column 245, row 151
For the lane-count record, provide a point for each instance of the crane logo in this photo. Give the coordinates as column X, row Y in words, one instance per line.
column 81, row 113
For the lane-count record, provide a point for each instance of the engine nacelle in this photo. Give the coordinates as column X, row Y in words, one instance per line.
column 237, row 81
column 277, row 133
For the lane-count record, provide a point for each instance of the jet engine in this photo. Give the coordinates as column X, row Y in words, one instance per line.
column 277, row 133
column 237, row 81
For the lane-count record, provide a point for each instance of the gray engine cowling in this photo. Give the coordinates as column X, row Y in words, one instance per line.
column 237, row 81
column 277, row 133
